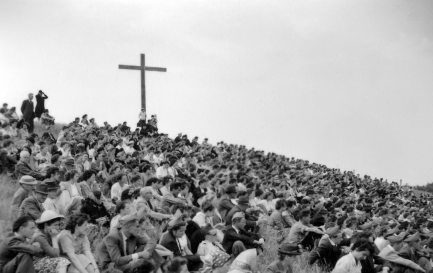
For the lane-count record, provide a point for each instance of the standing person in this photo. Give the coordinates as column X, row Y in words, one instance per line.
column 27, row 109
column 40, row 103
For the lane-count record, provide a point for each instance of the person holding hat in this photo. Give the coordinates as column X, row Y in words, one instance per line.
column 125, row 248
column 27, row 184
column 283, row 264
column 49, row 226
column 16, row 254
column 33, row 205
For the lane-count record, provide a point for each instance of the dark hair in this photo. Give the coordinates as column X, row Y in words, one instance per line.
column 70, row 174
column 178, row 225
column 144, row 267
column 86, row 175
column 51, row 171
column 21, row 221
column 363, row 244
column 176, row 186
column 55, row 158
column 76, row 220
column 280, row 203
column 290, row 203
column 152, row 180
column 207, row 206
column 175, row 265
column 135, row 178
column 120, row 206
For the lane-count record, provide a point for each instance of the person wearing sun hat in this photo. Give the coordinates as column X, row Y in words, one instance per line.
column 49, row 226
column 285, row 254
column 27, row 185
column 32, row 205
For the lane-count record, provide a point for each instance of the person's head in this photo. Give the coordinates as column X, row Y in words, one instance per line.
column 211, row 235
column 72, row 175
column 53, row 191
column 123, row 179
column 129, row 225
column 136, row 182
column 53, row 173
column 50, row 223
column 123, row 208
column 25, row 156
column 305, row 216
column 280, row 205
column 24, row 226
column 208, row 209
column 88, row 176
column 239, row 221
column 77, row 223
column 178, row 229
column 361, row 249
column 154, row 183
column 144, row 267
column 177, row 265
column 30, row 95
column 176, row 188
column 146, row 193
column 41, row 192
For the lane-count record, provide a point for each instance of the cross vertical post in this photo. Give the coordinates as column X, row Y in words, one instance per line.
column 143, row 82
column 143, row 68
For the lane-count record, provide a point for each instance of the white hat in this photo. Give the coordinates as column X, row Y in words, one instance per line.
column 48, row 215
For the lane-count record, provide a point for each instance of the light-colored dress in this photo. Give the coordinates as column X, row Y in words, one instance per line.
column 80, row 245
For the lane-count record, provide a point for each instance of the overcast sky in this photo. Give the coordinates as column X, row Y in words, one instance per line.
column 344, row 83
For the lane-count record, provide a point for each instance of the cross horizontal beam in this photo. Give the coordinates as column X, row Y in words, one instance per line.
column 147, row 68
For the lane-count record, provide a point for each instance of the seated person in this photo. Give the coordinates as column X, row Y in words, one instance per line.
column 32, row 205
column 144, row 206
column 285, row 258
column 300, row 230
column 16, row 254
column 236, row 237
column 169, row 200
column 173, row 241
column 75, row 245
column 49, row 226
column 125, row 249
column 211, row 247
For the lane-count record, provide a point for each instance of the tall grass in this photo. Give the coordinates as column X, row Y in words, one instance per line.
column 8, row 186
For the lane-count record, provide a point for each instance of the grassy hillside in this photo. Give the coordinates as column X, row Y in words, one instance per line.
column 7, row 189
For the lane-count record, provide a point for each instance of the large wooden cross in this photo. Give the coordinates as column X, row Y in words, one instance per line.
column 142, row 67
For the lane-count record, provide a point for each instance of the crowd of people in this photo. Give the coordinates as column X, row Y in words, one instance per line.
column 181, row 205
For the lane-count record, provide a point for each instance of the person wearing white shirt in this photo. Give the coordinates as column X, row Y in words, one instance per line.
column 351, row 263
column 119, row 187
column 165, row 170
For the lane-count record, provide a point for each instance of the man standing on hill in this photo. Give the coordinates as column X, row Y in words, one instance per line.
column 27, row 109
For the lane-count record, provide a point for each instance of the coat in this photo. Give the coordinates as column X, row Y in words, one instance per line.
column 30, row 206
column 40, row 104
column 23, row 168
column 112, row 250
column 231, row 236
column 12, row 246
column 67, row 186
column 27, row 110
column 326, row 254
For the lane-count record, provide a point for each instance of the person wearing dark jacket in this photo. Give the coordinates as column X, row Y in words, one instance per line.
column 40, row 103
column 16, row 254
column 27, row 109
column 236, row 235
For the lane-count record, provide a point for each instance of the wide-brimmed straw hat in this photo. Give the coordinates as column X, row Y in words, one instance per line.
column 47, row 216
